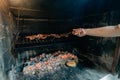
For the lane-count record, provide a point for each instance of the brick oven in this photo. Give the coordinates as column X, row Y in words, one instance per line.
column 37, row 44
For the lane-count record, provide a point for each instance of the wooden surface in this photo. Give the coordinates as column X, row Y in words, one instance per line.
column 116, row 55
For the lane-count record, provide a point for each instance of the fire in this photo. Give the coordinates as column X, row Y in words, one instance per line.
column 47, row 62
column 38, row 65
column 67, row 56
column 50, row 61
column 30, row 67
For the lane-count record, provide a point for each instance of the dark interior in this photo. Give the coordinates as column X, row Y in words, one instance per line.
column 55, row 16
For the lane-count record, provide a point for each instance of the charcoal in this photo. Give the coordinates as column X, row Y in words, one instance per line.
column 52, row 67
column 49, row 64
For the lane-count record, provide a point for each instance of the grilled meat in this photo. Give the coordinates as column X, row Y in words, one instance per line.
column 44, row 36
column 31, row 37
column 41, row 36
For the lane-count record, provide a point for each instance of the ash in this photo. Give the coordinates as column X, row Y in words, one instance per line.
column 53, row 67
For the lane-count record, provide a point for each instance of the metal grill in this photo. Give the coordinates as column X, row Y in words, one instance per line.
column 22, row 44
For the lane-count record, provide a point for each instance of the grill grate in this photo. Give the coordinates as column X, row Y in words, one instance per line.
column 23, row 44
column 23, row 41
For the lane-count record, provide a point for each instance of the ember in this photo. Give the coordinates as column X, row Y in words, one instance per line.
column 59, row 65
column 48, row 63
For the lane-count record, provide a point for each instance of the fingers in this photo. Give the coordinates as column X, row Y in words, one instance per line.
column 74, row 32
column 79, row 32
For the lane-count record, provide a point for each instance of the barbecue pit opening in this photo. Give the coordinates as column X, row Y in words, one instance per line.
column 31, row 29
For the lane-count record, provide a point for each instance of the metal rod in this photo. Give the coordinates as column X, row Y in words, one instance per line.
column 18, row 16
column 26, row 9
column 33, row 19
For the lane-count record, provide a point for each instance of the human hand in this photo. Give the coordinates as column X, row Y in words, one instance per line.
column 80, row 32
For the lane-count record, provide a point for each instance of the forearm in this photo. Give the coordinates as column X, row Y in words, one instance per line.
column 107, row 31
